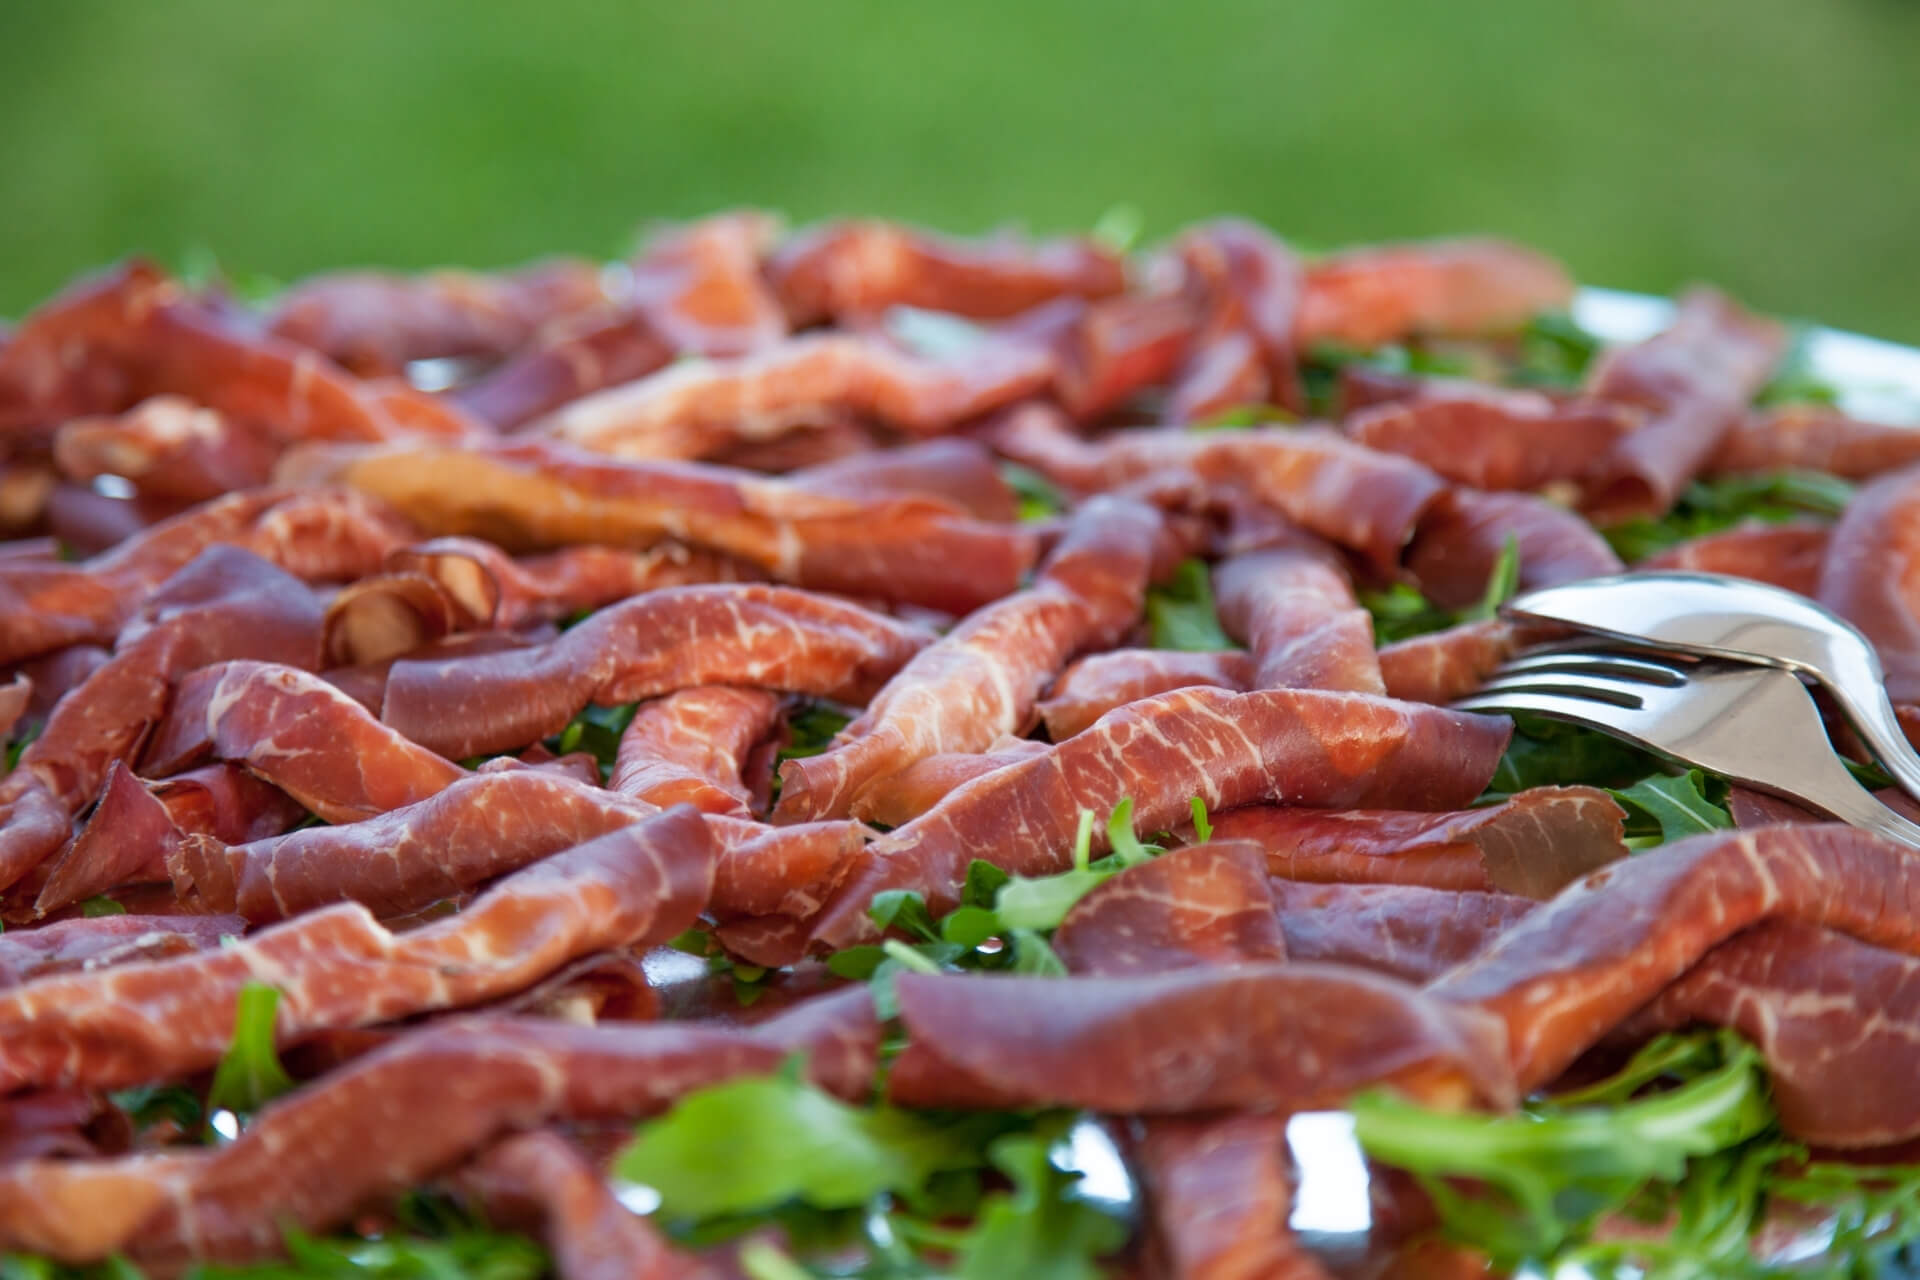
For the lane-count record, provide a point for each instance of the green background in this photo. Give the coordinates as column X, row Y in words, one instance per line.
column 1770, row 145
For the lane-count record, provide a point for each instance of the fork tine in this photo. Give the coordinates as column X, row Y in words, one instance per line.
column 1584, row 688
column 1622, row 721
column 1598, row 662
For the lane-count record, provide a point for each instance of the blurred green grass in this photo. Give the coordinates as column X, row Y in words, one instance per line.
column 1769, row 145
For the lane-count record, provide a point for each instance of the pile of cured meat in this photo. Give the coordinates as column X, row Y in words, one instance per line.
column 309, row 606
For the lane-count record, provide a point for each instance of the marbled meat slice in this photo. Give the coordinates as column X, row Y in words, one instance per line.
column 692, row 746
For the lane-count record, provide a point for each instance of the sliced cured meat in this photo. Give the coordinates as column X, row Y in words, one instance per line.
column 1207, row 904
column 378, row 619
column 1534, row 844
column 900, row 797
column 494, row 589
column 1346, row 493
column 166, row 447
column 978, row 683
column 542, row 1183
column 849, row 269
column 1814, row 438
column 225, row 604
column 1694, row 380
column 226, row 802
column 50, row 605
column 459, row 1086
column 1462, row 537
column 1249, row 285
column 58, row 674
column 462, row 835
column 533, row 494
column 1220, row 1192
column 1293, row 607
column 694, row 409
column 1783, row 555
column 1406, row 931
column 1444, row 665
column 1113, row 349
column 1575, row 967
column 300, row 733
column 1364, row 297
column 126, row 838
column 1100, row 682
column 1871, row 576
column 1302, row 746
column 579, row 357
column 785, row 871
column 700, row 287
column 690, row 747
column 374, row 323
column 1834, row 1016
column 1494, row 438
column 675, row 638
column 91, row 943
column 960, row 471
column 1192, row 1040
column 642, row 884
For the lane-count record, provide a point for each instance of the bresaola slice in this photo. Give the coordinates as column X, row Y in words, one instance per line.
column 1789, row 556
column 167, row 447
column 1207, row 904
column 535, row 494
column 675, row 638
column 1191, row 1040
column 338, row 967
column 1437, row 288
column 694, row 410
column 1533, row 844
column 1249, row 286
column 700, row 287
column 541, row 1182
column 1405, row 931
column 1833, row 1016
column 1871, row 576
column 1293, row 607
column 459, row 1086
column 1220, row 1192
column 856, row 268
column 899, row 798
column 1098, row 683
column 1444, row 665
column 1576, row 966
column 1493, row 437
column 300, row 733
column 1694, row 380
column 93, row 943
column 1461, row 538
column 978, row 683
column 691, row 746
column 960, row 471
column 1815, row 438
column 1303, row 746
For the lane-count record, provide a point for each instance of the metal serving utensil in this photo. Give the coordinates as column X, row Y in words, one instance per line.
column 1755, row 724
column 1717, row 616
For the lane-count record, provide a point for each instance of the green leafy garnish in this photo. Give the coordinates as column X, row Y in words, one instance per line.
column 250, row 1075
column 596, row 731
column 19, row 745
column 1793, row 380
column 1674, row 806
column 1119, row 228
column 1182, row 613
column 1400, row 612
column 1554, row 352
column 101, row 905
column 1551, row 1174
column 1038, row 497
column 1547, row 753
column 1238, row 417
column 148, row 1105
column 1039, row 1230
column 1710, row 506
column 755, row 1143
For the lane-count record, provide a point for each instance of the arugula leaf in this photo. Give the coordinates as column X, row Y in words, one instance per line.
column 1202, row 828
column 1038, row 497
column 1182, row 613
column 1554, row 352
column 1793, row 380
column 1546, row 753
column 811, row 728
column 1400, row 612
column 1673, row 806
column 475, row 1254
column 596, row 730
column 1558, row 1170
column 754, row 1143
column 1039, row 1230
column 903, row 909
column 1710, row 506
column 250, row 1074
column 148, row 1105
column 1241, row 416
column 19, row 745
column 101, row 905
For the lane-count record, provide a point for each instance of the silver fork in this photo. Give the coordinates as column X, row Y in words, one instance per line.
column 1756, row 725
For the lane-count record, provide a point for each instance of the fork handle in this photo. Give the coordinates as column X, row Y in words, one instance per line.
column 1855, row 805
